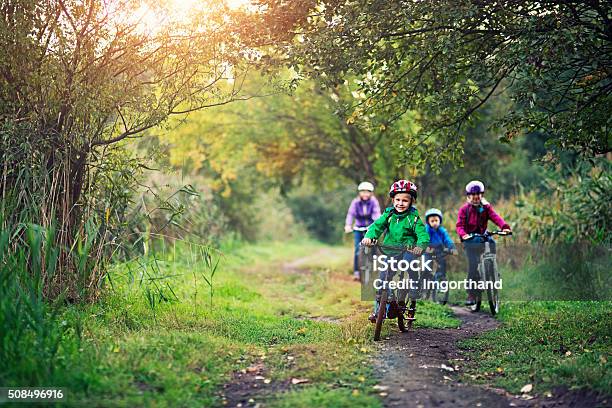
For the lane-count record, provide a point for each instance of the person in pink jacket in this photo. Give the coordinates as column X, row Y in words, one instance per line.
column 474, row 217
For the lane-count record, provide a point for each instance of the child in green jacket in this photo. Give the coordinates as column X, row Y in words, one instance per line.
column 403, row 227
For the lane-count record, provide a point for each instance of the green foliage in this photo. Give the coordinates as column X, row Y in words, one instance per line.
column 321, row 212
column 445, row 60
column 504, row 168
column 578, row 207
column 37, row 347
column 80, row 77
column 33, row 190
column 546, row 344
column 288, row 138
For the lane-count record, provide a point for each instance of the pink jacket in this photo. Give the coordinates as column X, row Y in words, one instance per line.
column 473, row 219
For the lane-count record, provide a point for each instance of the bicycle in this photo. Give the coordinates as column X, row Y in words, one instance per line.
column 488, row 272
column 356, row 256
column 439, row 293
column 390, row 308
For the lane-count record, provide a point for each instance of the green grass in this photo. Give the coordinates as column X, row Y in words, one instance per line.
column 325, row 397
column 180, row 352
column 300, row 319
column 546, row 344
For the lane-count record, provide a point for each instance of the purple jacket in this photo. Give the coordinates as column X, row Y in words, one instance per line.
column 473, row 219
column 363, row 212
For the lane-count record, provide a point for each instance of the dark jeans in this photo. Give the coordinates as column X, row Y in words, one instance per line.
column 358, row 235
column 473, row 250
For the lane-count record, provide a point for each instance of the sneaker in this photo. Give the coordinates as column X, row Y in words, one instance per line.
column 356, row 276
column 471, row 300
column 372, row 318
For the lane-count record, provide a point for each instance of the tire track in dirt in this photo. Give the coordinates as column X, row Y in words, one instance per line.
column 421, row 369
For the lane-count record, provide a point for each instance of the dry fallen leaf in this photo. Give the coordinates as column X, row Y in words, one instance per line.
column 527, row 388
column 295, row 381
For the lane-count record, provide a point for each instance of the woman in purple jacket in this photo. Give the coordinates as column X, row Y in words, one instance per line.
column 363, row 211
column 473, row 218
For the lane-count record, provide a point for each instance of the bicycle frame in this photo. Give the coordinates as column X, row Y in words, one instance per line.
column 386, row 306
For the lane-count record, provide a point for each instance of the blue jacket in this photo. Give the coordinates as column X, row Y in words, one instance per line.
column 439, row 237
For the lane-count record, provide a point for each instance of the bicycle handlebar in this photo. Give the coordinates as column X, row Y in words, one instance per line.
column 439, row 254
column 488, row 234
column 362, row 229
column 428, row 250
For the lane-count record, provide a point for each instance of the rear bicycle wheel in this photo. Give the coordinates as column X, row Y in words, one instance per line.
column 410, row 315
column 382, row 312
column 439, row 295
column 425, row 285
column 364, row 260
column 401, row 317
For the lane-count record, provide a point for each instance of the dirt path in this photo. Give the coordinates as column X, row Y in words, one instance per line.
column 421, row 369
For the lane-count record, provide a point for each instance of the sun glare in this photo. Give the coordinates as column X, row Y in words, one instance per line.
column 238, row 4
column 149, row 18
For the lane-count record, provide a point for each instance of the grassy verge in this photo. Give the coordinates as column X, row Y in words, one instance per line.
column 170, row 345
column 546, row 344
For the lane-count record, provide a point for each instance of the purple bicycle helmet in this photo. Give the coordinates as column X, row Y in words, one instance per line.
column 474, row 187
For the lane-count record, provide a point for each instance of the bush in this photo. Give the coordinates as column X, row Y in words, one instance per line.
column 322, row 212
column 576, row 207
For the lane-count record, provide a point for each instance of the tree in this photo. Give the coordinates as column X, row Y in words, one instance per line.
column 446, row 59
column 77, row 77
column 291, row 137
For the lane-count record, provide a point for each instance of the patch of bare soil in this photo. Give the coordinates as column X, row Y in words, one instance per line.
column 250, row 386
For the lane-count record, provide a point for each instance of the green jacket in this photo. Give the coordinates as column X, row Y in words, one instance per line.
column 404, row 228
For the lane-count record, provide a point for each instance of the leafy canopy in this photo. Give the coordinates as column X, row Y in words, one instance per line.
column 446, row 59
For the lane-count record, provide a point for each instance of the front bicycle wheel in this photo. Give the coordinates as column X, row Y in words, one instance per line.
column 382, row 312
column 492, row 292
column 478, row 302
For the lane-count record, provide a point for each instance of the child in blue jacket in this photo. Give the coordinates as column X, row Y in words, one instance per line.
column 438, row 238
